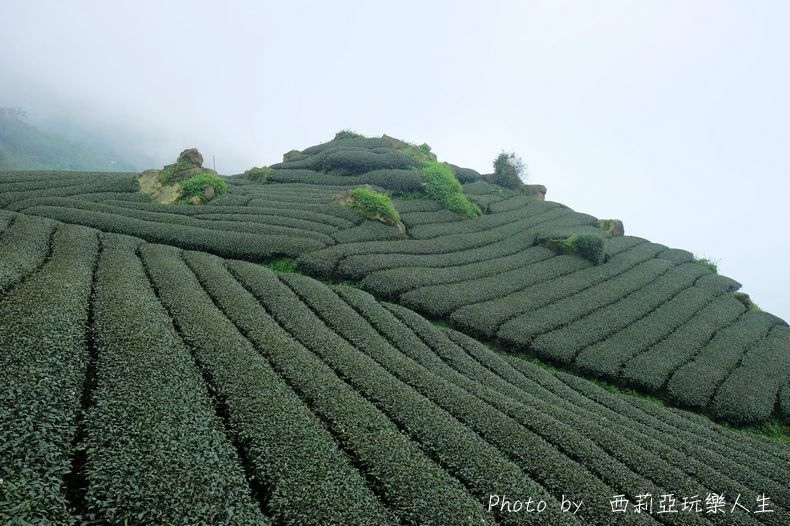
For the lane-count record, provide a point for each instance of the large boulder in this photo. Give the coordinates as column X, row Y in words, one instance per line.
column 191, row 156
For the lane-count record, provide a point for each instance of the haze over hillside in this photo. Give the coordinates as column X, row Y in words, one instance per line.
column 23, row 146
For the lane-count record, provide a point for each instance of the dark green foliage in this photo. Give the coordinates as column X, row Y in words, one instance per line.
column 784, row 402
column 26, row 244
column 356, row 162
column 412, row 219
column 749, row 394
column 416, row 205
column 368, row 231
column 508, row 170
column 282, row 265
column 153, row 428
column 589, row 247
column 369, row 143
column 656, row 299
column 343, row 158
column 412, row 485
column 695, row 383
column 441, row 185
column 486, row 317
column 344, row 410
column 651, row 369
column 465, row 175
column 532, row 213
column 283, row 443
column 195, row 187
column 390, row 283
column 43, row 361
column 451, row 444
column 607, row 357
column 521, row 329
column 442, row 300
column 373, row 206
column 258, row 174
column 100, row 183
column 177, row 172
column 240, row 245
column 399, row 181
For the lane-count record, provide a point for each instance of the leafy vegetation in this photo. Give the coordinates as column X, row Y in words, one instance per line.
column 348, row 134
column 195, row 189
column 373, row 205
column 441, row 185
column 588, row 246
column 267, row 396
column 509, row 171
column 258, row 174
column 282, row 265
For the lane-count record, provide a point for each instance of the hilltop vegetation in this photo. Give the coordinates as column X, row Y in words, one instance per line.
column 312, row 345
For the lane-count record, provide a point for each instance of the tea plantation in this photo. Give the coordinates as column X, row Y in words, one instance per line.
column 154, row 370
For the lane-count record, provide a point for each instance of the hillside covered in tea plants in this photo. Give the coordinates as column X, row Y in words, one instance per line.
column 362, row 334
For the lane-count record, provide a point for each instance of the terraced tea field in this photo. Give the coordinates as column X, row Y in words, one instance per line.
column 153, row 371
column 280, row 384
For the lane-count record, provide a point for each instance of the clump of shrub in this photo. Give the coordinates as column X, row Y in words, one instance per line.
column 348, row 134
column 587, row 246
column 373, row 205
column 202, row 187
column 509, row 171
column 442, row 185
column 173, row 173
column 747, row 301
column 282, row 265
column 258, row 174
column 708, row 264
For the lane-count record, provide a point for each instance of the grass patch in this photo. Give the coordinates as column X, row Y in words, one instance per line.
column 625, row 391
column 258, row 174
column 543, row 365
column 708, row 264
column 373, row 206
column 772, row 429
column 442, row 185
column 747, row 301
column 195, row 190
column 281, row 265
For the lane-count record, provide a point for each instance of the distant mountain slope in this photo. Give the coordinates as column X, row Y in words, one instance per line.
column 25, row 147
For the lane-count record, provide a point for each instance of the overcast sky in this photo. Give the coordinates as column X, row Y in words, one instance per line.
column 670, row 115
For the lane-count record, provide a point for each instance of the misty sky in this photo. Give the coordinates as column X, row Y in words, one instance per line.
column 670, row 115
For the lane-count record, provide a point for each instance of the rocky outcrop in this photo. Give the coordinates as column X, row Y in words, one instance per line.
column 191, row 156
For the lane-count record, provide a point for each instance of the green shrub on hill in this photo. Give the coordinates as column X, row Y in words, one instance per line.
column 172, row 173
column 508, row 170
column 588, row 246
column 258, row 174
column 194, row 190
column 374, row 206
column 348, row 134
column 441, row 185
column 708, row 264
